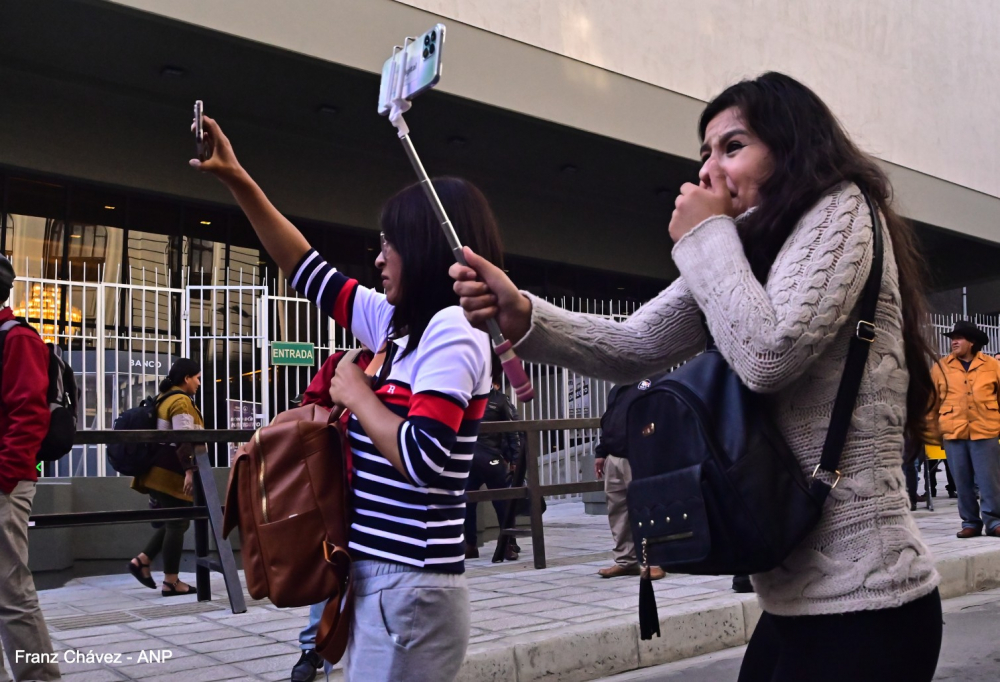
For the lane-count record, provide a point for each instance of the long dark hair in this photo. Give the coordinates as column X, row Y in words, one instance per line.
column 812, row 153
column 413, row 231
column 181, row 370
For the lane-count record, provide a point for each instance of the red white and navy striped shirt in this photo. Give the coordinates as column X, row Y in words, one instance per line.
column 440, row 390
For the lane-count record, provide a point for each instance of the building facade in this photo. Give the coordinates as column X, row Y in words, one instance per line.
column 577, row 119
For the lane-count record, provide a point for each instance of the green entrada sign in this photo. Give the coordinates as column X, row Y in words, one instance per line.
column 289, row 353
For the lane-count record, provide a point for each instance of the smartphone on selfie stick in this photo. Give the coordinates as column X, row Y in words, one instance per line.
column 199, row 130
column 412, row 69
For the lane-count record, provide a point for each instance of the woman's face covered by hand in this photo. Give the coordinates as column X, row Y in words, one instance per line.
column 733, row 151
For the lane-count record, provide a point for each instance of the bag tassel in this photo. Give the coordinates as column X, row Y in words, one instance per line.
column 649, row 620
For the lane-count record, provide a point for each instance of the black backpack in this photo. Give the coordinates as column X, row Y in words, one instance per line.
column 715, row 488
column 614, row 434
column 135, row 459
column 62, row 397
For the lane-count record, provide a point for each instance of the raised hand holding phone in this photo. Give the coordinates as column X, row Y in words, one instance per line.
column 218, row 157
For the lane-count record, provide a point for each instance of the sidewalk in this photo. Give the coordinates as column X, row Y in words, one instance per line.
column 561, row 623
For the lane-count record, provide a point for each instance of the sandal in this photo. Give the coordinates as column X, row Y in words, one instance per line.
column 136, row 570
column 174, row 592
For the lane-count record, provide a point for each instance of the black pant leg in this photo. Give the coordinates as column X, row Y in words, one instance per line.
column 761, row 657
column 862, row 646
column 169, row 538
column 910, row 472
column 495, row 475
column 475, row 482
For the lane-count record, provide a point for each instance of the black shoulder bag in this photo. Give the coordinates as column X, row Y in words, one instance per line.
column 715, row 489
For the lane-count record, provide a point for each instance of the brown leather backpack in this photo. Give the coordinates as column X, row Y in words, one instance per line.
column 288, row 492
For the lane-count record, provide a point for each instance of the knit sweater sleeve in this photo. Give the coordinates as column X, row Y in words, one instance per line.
column 770, row 335
column 662, row 333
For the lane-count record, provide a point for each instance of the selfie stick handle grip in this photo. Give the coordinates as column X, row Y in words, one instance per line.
column 511, row 364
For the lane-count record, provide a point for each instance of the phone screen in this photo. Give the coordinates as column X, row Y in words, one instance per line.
column 388, row 78
column 422, row 60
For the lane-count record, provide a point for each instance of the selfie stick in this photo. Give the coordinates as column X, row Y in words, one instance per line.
column 504, row 349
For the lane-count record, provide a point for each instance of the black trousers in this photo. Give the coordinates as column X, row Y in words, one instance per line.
column 935, row 465
column 864, row 646
column 491, row 470
column 169, row 538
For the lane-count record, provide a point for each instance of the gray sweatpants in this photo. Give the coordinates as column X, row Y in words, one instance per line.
column 22, row 626
column 409, row 624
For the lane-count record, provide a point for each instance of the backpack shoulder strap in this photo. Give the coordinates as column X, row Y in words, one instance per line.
column 168, row 394
column 857, row 357
column 4, row 329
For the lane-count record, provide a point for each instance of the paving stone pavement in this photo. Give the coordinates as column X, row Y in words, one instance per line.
column 515, row 611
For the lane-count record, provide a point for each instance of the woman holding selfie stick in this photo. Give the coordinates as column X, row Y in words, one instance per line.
column 412, row 438
column 774, row 246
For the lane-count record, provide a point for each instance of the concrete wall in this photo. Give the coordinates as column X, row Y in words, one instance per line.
column 909, row 79
column 131, row 140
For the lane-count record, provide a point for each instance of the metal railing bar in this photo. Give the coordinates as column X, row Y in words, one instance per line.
column 101, row 518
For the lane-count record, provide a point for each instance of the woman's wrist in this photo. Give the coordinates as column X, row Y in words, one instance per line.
column 520, row 323
column 236, row 178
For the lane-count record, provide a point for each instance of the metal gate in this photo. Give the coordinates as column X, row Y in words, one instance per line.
column 122, row 339
column 66, row 313
column 227, row 334
column 561, row 393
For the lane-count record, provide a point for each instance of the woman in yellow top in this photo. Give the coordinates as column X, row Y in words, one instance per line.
column 170, row 481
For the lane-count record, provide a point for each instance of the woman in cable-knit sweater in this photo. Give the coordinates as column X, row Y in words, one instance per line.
column 774, row 247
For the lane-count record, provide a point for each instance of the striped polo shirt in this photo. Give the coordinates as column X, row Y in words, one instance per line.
column 440, row 390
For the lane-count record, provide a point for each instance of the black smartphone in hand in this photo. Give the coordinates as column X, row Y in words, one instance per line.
column 199, row 130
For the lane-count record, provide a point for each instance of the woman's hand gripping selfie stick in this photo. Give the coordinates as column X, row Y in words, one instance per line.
column 512, row 366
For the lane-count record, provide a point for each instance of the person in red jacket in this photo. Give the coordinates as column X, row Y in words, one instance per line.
column 24, row 420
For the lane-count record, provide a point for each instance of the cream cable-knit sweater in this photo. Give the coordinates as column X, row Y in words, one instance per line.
column 787, row 339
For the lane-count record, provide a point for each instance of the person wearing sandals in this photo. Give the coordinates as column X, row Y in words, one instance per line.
column 774, row 246
column 170, row 481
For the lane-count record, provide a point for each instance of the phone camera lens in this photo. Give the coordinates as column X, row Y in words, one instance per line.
column 430, row 50
column 427, row 40
column 427, row 52
column 434, row 36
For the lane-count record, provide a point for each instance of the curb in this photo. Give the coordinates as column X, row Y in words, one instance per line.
column 585, row 652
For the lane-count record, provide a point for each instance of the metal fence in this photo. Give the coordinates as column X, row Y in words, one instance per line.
column 123, row 333
column 940, row 324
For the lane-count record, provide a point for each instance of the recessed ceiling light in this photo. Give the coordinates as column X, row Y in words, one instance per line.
column 206, row 222
column 329, row 109
column 173, row 72
column 110, row 208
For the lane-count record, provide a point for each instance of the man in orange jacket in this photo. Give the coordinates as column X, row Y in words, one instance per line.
column 968, row 420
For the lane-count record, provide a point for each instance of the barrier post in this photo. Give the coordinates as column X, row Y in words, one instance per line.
column 207, row 494
column 535, row 500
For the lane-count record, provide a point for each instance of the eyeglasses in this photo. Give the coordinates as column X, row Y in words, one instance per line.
column 383, row 242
